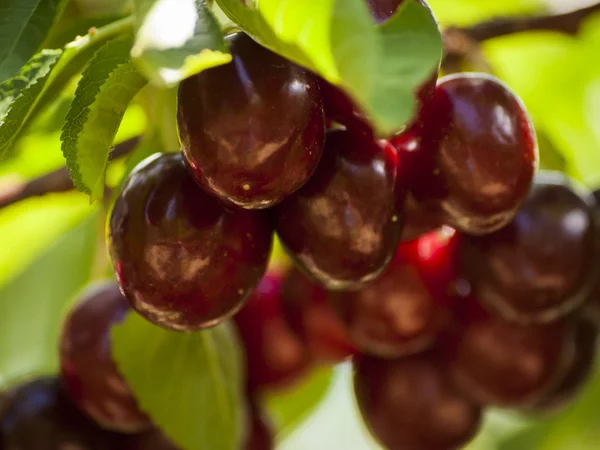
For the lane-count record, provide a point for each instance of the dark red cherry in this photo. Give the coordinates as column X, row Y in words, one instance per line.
column 183, row 260
column 383, row 9
column 409, row 404
column 152, row 440
column 343, row 226
column 259, row 431
column 402, row 312
column 313, row 319
column 252, row 130
column 481, row 150
column 578, row 372
column 90, row 375
column 38, row 416
column 505, row 364
column 540, row 266
column 275, row 356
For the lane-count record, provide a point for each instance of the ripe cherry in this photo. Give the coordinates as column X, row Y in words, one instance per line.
column 183, row 260
column 578, row 372
column 259, row 431
column 152, row 440
column 402, row 312
column 481, row 150
column 313, row 319
column 91, row 377
column 275, row 357
column 409, row 404
column 541, row 265
column 506, row 364
column 38, row 416
column 343, row 226
column 252, row 130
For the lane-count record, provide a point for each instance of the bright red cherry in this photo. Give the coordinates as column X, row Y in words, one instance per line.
column 252, row 130
column 343, row 226
column 183, row 260
column 409, row 404
column 312, row 317
column 505, row 364
column 541, row 265
column 91, row 377
column 275, row 357
column 402, row 312
column 482, row 153
column 38, row 416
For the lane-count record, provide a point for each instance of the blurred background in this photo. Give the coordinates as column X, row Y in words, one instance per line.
column 557, row 76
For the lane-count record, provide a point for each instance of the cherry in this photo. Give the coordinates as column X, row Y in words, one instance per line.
column 260, row 433
column 275, row 356
column 383, row 9
column 343, row 226
column 409, row 404
column 402, row 311
column 252, row 130
column 152, row 440
column 481, row 153
column 506, row 364
column 540, row 266
column 91, row 377
column 313, row 319
column 183, row 260
column 38, row 415
column 578, row 373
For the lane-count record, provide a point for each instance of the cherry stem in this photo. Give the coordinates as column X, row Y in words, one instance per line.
column 56, row 181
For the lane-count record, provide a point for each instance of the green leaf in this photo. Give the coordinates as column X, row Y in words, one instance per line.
column 290, row 407
column 381, row 67
column 191, row 384
column 26, row 95
column 24, row 25
column 33, row 303
column 19, row 94
column 175, row 40
column 106, row 87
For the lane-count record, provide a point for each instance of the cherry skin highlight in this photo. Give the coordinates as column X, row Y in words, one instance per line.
column 252, row 130
column 539, row 267
column 409, row 404
column 343, row 226
column 499, row 363
column 91, row 377
column 183, row 260
column 481, row 153
column 403, row 311
column 313, row 319
column 275, row 356
column 38, row 415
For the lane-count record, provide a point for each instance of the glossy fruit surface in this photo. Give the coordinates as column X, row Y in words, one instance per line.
column 252, row 130
column 182, row 259
column 313, row 319
column 578, row 372
column 541, row 265
column 39, row 416
column 401, row 312
column 482, row 153
column 343, row 226
column 409, row 404
column 91, row 377
column 275, row 356
column 505, row 364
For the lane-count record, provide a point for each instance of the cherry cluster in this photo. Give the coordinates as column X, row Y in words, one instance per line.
column 450, row 273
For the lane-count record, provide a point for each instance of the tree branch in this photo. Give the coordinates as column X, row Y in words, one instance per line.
column 58, row 180
column 463, row 44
